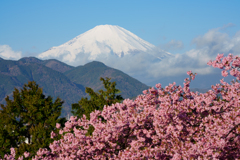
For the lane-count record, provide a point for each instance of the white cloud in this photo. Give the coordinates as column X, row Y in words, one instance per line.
column 214, row 40
column 207, row 48
column 6, row 52
column 195, row 60
column 227, row 26
column 172, row 45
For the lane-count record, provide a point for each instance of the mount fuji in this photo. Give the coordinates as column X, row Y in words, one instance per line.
column 101, row 42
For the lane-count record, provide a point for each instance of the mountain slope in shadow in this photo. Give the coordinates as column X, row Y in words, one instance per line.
column 61, row 80
column 54, row 84
column 89, row 76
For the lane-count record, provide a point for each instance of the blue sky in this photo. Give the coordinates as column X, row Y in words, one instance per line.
column 34, row 26
column 28, row 28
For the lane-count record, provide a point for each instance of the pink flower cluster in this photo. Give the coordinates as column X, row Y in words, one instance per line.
column 225, row 63
column 171, row 123
column 13, row 153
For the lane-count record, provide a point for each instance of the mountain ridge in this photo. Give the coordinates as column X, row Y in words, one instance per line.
column 56, row 84
column 98, row 69
column 51, row 63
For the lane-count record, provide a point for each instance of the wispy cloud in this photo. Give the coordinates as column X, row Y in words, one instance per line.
column 173, row 45
column 6, row 52
column 207, row 47
column 216, row 42
column 227, row 26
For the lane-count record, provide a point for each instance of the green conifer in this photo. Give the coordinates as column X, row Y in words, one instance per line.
column 29, row 116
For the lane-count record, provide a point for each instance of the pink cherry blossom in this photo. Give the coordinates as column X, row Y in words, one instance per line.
column 58, row 125
column 170, row 123
column 26, row 154
column 224, row 73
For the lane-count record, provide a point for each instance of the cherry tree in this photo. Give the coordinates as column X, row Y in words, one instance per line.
column 162, row 123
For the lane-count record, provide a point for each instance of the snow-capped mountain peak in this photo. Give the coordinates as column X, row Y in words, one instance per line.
column 102, row 39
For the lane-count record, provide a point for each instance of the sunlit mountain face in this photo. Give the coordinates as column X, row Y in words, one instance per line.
column 103, row 41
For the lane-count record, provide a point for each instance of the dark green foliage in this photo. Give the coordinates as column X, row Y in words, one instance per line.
column 97, row 101
column 29, row 115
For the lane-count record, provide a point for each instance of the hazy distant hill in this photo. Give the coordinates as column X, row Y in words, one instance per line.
column 17, row 73
column 89, row 75
column 57, row 65
column 59, row 79
column 50, row 63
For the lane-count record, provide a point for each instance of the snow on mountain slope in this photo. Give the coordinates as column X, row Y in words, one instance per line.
column 102, row 40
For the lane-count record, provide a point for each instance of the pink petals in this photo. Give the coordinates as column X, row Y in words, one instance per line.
column 170, row 123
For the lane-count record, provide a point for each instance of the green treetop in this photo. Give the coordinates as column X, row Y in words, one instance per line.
column 97, row 101
column 29, row 116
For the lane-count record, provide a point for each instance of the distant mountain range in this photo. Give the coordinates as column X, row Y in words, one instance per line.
column 59, row 79
column 108, row 43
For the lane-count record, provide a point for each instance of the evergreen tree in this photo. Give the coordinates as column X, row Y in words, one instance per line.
column 97, row 101
column 29, row 116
